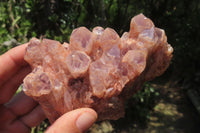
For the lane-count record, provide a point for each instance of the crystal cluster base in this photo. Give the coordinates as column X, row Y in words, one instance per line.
column 97, row 69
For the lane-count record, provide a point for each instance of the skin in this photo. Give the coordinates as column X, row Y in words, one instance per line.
column 19, row 113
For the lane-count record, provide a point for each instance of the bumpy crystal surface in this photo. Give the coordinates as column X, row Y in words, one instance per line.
column 97, row 69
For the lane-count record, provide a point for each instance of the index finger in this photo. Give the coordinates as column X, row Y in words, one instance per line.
column 11, row 62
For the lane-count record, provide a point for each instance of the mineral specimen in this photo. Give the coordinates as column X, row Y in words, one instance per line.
column 96, row 69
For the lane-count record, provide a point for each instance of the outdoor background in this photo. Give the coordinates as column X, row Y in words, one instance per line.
column 163, row 105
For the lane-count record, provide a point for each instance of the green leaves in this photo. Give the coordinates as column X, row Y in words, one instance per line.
column 53, row 18
column 146, row 95
column 15, row 21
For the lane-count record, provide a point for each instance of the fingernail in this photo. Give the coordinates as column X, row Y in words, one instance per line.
column 85, row 121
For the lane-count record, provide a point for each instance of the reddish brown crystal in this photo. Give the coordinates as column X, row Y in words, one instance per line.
column 97, row 69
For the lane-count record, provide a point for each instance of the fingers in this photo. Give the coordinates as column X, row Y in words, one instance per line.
column 8, row 122
column 23, row 124
column 26, row 110
column 17, row 127
column 76, row 121
column 21, row 104
column 11, row 61
column 35, row 117
column 8, row 89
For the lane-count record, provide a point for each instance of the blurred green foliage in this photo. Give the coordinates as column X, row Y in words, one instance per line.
column 138, row 109
column 24, row 19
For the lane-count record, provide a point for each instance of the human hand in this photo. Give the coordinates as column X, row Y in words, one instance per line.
column 18, row 114
column 76, row 121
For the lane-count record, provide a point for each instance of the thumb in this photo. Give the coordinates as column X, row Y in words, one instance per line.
column 76, row 121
